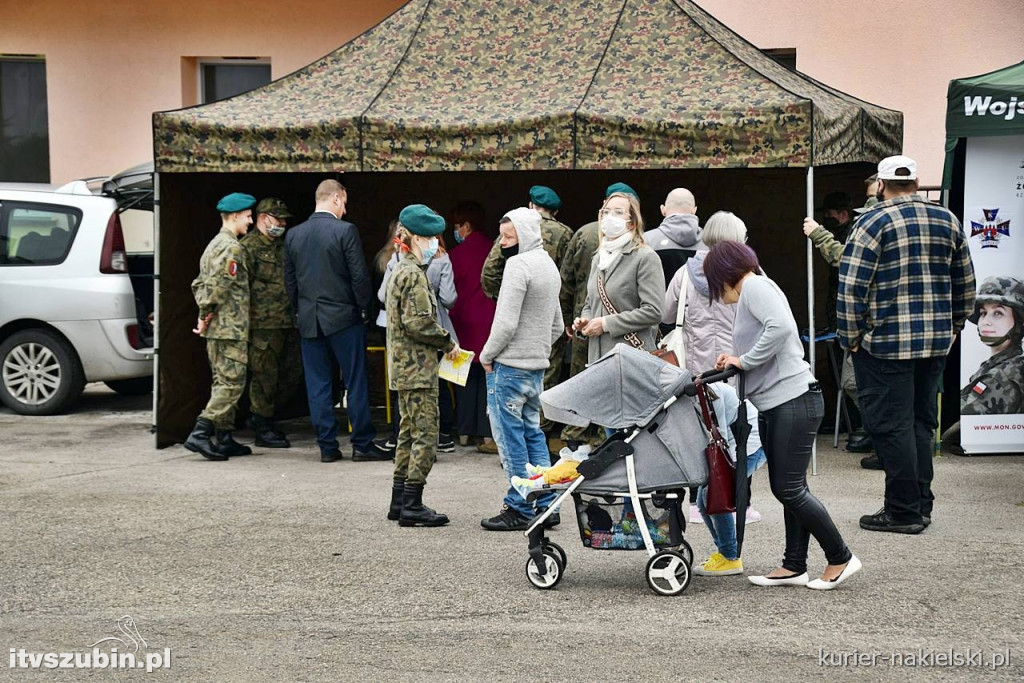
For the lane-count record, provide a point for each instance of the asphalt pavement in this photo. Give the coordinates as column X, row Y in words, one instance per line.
column 279, row 567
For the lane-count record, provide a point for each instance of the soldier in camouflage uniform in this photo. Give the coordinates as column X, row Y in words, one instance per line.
column 997, row 388
column 555, row 238
column 272, row 335
column 413, row 340
column 221, row 291
column 575, row 272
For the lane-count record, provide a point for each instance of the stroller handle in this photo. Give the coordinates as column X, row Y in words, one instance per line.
column 710, row 376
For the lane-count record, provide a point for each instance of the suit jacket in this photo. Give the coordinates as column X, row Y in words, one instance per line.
column 326, row 276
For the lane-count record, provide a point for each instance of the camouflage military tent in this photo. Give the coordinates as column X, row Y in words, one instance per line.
column 657, row 93
column 449, row 85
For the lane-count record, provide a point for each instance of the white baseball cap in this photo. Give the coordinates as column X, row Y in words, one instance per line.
column 887, row 168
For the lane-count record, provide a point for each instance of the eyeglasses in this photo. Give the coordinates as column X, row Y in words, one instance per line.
column 621, row 213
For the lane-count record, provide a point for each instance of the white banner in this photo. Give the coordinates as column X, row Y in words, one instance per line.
column 992, row 420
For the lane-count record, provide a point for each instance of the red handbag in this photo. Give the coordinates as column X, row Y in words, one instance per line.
column 721, row 494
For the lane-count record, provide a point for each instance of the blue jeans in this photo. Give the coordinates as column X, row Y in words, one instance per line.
column 513, row 406
column 348, row 348
column 723, row 526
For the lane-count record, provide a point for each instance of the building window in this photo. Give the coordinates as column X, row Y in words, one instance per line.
column 24, row 133
column 786, row 56
column 222, row 78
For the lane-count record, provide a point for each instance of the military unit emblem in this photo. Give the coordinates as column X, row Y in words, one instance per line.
column 992, row 230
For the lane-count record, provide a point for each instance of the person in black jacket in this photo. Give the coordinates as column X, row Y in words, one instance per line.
column 330, row 290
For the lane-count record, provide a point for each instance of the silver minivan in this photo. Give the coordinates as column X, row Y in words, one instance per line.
column 75, row 304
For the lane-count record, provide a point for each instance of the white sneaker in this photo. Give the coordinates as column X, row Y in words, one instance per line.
column 852, row 567
column 798, row 580
column 753, row 516
column 695, row 517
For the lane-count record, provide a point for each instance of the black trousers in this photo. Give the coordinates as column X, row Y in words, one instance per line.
column 471, row 404
column 898, row 401
column 787, row 434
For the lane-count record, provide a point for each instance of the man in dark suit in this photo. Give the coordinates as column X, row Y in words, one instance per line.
column 329, row 288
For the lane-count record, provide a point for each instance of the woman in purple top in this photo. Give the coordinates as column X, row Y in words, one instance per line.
column 472, row 314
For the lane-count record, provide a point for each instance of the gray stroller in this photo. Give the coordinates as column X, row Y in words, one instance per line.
column 629, row 492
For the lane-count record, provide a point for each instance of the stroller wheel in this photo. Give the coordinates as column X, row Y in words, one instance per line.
column 551, row 545
column 668, row 573
column 686, row 551
column 553, row 569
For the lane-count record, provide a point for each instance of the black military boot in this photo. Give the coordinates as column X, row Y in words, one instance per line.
column 199, row 441
column 226, row 445
column 266, row 435
column 397, row 489
column 414, row 512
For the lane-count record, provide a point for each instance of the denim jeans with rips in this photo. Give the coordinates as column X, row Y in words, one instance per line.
column 513, row 405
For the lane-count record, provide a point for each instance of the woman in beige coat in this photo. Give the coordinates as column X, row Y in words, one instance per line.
column 632, row 278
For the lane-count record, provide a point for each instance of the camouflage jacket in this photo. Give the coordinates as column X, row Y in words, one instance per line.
column 269, row 308
column 222, row 288
column 831, row 248
column 414, row 335
column 997, row 388
column 575, row 271
column 555, row 238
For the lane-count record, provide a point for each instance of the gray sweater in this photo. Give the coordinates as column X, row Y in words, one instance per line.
column 528, row 318
column 766, row 339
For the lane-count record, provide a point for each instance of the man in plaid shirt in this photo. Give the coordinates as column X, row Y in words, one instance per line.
column 906, row 287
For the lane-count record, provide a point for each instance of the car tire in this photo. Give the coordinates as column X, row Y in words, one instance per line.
column 137, row 386
column 56, row 379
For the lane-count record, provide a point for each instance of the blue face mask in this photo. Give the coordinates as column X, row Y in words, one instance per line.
column 430, row 250
column 459, row 239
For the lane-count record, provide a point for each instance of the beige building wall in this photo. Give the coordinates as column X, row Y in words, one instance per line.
column 110, row 64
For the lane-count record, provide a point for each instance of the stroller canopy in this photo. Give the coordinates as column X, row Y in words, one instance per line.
column 622, row 388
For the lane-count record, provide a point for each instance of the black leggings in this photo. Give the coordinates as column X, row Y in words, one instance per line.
column 787, row 434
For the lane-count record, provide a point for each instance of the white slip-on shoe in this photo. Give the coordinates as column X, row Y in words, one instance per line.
column 794, row 580
column 852, row 567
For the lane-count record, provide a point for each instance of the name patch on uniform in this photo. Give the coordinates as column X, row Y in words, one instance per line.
column 232, row 268
column 979, row 388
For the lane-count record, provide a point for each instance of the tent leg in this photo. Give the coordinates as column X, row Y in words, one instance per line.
column 810, row 301
column 156, row 302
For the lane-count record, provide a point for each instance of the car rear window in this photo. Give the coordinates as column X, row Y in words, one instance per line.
column 36, row 234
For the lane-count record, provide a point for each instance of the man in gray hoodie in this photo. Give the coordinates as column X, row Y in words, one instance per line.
column 678, row 236
column 528, row 319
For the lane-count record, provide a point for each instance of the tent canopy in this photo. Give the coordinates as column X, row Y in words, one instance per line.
column 981, row 106
column 449, row 85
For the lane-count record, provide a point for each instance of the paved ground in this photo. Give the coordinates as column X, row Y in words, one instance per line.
column 278, row 567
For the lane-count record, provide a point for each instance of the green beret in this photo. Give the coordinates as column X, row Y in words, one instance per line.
column 274, row 207
column 545, row 197
column 620, row 187
column 236, row 201
column 421, row 220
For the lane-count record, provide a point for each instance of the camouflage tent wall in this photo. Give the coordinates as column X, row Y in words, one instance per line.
column 574, row 94
column 450, row 85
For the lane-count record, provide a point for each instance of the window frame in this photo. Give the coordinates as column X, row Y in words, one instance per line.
column 222, row 61
column 7, row 206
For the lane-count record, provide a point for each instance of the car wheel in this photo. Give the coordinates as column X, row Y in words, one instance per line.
column 40, row 373
column 138, row 386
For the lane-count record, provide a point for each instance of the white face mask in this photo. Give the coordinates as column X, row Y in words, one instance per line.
column 613, row 226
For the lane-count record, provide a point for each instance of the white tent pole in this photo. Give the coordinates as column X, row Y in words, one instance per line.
column 810, row 300
column 156, row 300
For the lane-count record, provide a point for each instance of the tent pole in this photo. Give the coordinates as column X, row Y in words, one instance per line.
column 810, row 301
column 156, row 301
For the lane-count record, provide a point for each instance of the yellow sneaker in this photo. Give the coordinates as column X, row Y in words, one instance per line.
column 720, row 566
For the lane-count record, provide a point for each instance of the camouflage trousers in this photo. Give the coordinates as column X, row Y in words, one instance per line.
column 228, row 363
column 275, row 369
column 416, row 449
column 580, row 349
column 553, row 375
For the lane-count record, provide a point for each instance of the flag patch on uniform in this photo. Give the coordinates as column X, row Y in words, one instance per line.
column 979, row 388
column 232, row 268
